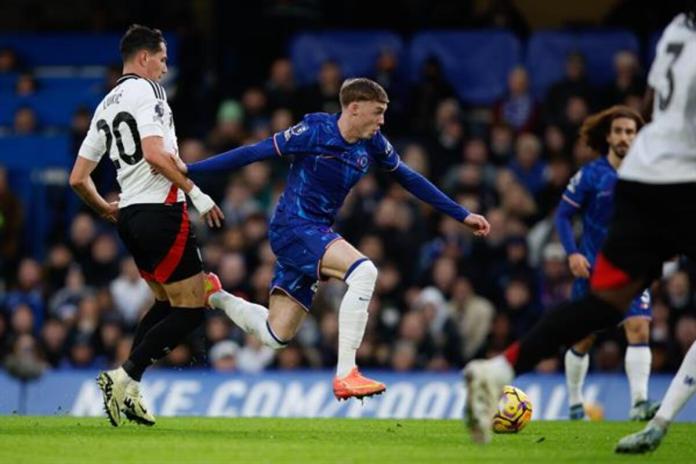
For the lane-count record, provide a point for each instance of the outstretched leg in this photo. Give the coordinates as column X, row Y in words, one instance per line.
column 681, row 389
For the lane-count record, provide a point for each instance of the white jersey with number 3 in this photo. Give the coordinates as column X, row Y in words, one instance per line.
column 136, row 108
column 664, row 151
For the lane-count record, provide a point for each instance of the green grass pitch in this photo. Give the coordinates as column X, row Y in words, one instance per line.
column 205, row 440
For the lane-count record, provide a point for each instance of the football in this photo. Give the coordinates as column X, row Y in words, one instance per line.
column 514, row 411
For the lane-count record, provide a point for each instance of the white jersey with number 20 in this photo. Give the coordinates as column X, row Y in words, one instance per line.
column 135, row 109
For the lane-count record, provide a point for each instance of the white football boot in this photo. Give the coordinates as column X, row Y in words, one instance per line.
column 134, row 408
column 484, row 381
column 113, row 387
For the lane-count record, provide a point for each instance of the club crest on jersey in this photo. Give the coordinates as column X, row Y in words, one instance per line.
column 362, row 161
column 297, row 129
column 159, row 113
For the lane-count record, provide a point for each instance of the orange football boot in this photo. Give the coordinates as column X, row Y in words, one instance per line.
column 211, row 284
column 355, row 385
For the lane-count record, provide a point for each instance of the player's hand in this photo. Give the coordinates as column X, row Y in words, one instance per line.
column 111, row 212
column 579, row 266
column 214, row 217
column 478, row 224
column 206, row 207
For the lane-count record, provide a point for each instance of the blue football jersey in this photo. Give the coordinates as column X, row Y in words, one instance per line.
column 591, row 190
column 324, row 168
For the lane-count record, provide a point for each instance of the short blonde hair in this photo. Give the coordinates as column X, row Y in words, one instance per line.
column 361, row 89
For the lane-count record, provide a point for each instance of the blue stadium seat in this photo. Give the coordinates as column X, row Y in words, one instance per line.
column 27, row 160
column 72, row 49
column 547, row 52
column 651, row 48
column 356, row 52
column 476, row 63
column 81, row 85
column 53, row 108
column 7, row 81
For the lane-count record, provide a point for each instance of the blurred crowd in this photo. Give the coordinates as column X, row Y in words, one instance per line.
column 442, row 296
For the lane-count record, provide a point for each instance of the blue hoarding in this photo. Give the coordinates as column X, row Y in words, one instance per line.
column 308, row 394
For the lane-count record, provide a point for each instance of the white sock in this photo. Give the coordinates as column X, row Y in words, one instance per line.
column 352, row 314
column 682, row 388
column 250, row 317
column 120, row 375
column 637, row 365
column 575, row 373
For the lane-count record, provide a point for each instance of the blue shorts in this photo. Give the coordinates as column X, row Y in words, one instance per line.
column 641, row 306
column 299, row 250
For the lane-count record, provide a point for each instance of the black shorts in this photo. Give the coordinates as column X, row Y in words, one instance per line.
column 161, row 239
column 652, row 223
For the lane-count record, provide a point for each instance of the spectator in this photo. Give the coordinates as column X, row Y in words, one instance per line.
column 28, row 291
column 130, row 293
column 253, row 356
column 255, row 107
column 404, row 356
column 56, row 267
column 53, row 341
column 22, row 320
column 25, row 358
column 218, row 328
column 628, row 81
column 556, row 280
column 528, row 166
column 557, row 175
column 26, row 84
column 443, row 330
column 430, row 90
column 323, row 95
column 110, row 333
column 502, row 144
column 280, row 87
column 518, row 109
column 390, row 76
column 63, row 304
column 25, row 121
column 574, row 83
column 102, row 267
column 82, row 234
column 9, row 62
column 519, row 307
column 228, row 132
column 223, row 356
column 473, row 315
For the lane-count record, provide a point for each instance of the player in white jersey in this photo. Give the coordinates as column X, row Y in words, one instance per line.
column 654, row 220
column 134, row 127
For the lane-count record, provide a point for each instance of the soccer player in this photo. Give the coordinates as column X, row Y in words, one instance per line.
column 329, row 154
column 590, row 192
column 133, row 125
column 654, row 219
column 681, row 389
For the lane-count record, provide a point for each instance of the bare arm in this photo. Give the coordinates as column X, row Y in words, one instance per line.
column 162, row 162
column 82, row 184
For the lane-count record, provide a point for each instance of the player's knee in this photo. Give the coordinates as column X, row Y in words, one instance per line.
column 637, row 330
column 363, row 276
column 272, row 339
